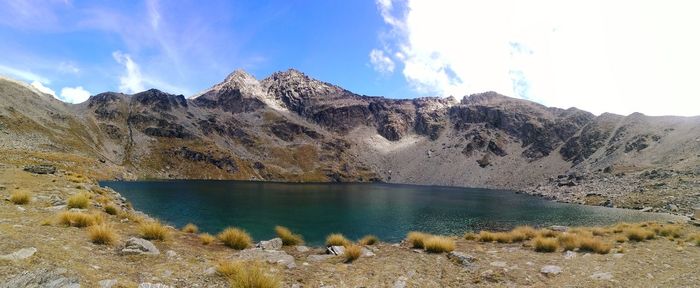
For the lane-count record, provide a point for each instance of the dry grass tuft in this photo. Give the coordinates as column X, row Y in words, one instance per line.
column 504, row 237
column 20, row 197
column 190, row 228
column 417, row 239
column 352, row 252
column 439, row 244
column 486, row 236
column 79, row 219
column 80, row 201
column 695, row 239
column 235, row 238
column 111, row 210
column 594, row 245
column 621, row 239
column 599, row 231
column 288, row 238
column 568, row 241
column 527, row 231
column 620, row 227
column 206, row 238
column 154, row 230
column 674, row 231
column 471, row 236
column 337, row 239
column 543, row 244
column 638, row 234
column 102, row 234
column 369, row 240
column 247, row 275
column 547, row 233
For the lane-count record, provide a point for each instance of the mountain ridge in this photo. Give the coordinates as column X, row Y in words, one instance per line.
column 291, row 127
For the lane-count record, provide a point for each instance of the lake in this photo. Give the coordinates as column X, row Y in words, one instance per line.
column 386, row 210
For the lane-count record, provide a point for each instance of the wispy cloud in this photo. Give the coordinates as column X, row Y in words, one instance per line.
column 131, row 80
column 23, row 74
column 380, row 62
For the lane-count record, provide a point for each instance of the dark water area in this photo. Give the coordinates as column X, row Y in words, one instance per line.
column 386, row 210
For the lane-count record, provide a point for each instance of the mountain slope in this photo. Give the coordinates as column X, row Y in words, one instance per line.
column 290, row 127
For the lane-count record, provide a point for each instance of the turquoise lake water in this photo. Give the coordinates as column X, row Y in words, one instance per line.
column 386, row 210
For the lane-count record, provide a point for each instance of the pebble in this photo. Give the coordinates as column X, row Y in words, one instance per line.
column 500, row 264
column 550, row 270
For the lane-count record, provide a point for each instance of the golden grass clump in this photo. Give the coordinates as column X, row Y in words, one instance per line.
column 102, row 234
column 79, row 219
column 190, row 228
column 206, row 238
column 471, row 236
column 369, row 240
column 527, row 231
column 621, row 239
column 337, row 239
column 288, row 238
column 638, row 234
column 695, row 239
column 568, row 241
column 580, row 231
column 599, row 231
column 154, row 230
column 417, row 239
column 620, row 227
column 486, row 236
column 111, row 209
column 352, row 252
column 674, row 231
column 543, row 244
column 235, row 238
column 547, row 233
column 246, row 275
column 80, row 201
column 20, row 197
column 439, row 244
column 594, row 245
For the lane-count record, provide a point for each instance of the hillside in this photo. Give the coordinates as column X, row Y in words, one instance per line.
column 290, row 127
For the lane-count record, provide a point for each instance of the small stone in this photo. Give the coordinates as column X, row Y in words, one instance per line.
column 618, row 255
column 273, row 244
column 401, row 282
column 461, row 258
column 171, row 254
column 107, row 283
column 153, row 285
column 210, row 271
column 20, row 254
column 366, row 252
column 302, row 249
column 569, row 255
column 550, row 270
column 602, row 276
column 500, row 264
column 559, row 228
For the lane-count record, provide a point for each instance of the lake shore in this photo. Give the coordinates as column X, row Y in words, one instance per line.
column 67, row 254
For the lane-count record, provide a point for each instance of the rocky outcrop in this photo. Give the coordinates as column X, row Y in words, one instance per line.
column 40, row 169
column 138, row 246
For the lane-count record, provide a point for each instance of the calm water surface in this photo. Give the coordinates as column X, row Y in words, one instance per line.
column 385, row 210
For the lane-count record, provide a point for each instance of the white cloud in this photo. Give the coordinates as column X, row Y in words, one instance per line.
column 74, row 94
column 380, row 62
column 43, row 89
column 22, row 74
column 131, row 81
column 616, row 56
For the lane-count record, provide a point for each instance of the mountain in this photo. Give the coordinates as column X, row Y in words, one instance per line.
column 291, row 127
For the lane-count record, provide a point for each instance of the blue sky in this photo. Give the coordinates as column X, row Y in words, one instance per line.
column 618, row 56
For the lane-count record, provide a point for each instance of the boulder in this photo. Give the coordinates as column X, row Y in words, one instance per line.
column 42, row 277
column 463, row 259
column 40, row 169
column 550, row 270
column 336, row 250
column 271, row 256
column 273, row 244
column 20, row 254
column 139, row 246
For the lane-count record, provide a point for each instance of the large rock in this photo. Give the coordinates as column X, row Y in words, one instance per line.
column 139, row 246
column 463, row 259
column 271, row 256
column 20, row 254
column 273, row 244
column 336, row 250
column 40, row 169
column 44, row 278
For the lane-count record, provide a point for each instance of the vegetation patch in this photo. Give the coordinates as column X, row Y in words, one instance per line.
column 247, row 275
column 111, row 210
column 417, row 239
column 235, row 238
column 337, row 239
column 543, row 244
column 288, row 238
column 103, row 234
column 568, row 241
column 20, row 197
column 352, row 252
column 80, row 201
column 190, row 228
column 154, row 230
column 439, row 244
column 596, row 245
column 638, row 234
column 470, row 236
column 369, row 240
column 79, row 219
column 206, row 238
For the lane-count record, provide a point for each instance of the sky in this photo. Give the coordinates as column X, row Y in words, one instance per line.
column 601, row 56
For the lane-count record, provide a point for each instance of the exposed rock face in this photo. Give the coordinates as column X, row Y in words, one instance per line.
column 40, row 169
column 139, row 246
column 291, row 127
column 47, row 278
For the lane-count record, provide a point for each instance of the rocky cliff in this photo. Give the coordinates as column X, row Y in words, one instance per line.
column 291, row 127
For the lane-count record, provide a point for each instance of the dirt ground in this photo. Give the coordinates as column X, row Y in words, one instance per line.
column 184, row 262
